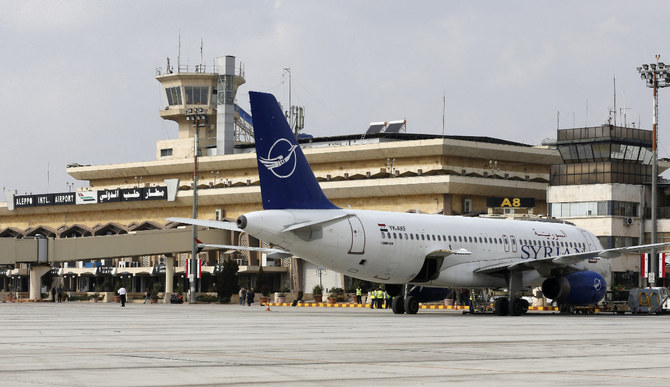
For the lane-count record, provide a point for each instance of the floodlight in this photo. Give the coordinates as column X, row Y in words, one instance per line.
column 645, row 66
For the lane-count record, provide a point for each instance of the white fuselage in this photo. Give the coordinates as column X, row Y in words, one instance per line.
column 390, row 247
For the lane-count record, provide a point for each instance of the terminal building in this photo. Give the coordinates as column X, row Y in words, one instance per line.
column 115, row 230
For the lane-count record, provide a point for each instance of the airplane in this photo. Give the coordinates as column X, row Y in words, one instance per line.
column 408, row 249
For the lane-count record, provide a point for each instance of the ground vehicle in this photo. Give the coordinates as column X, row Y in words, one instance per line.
column 616, row 301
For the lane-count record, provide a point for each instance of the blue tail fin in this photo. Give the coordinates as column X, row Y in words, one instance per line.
column 287, row 181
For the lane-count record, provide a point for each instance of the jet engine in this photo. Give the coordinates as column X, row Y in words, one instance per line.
column 577, row 288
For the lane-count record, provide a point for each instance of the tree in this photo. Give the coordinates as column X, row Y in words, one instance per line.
column 263, row 282
column 226, row 280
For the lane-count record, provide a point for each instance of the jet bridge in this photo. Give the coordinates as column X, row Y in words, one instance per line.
column 153, row 242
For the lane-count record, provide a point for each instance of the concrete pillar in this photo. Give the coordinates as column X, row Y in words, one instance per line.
column 169, row 274
column 35, row 275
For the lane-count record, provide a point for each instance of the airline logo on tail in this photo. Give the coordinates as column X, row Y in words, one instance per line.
column 281, row 160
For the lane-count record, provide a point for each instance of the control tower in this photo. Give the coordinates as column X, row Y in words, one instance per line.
column 212, row 95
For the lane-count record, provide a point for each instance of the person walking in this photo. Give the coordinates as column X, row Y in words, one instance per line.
column 53, row 294
column 59, row 291
column 147, row 295
column 243, row 296
column 250, row 296
column 122, row 294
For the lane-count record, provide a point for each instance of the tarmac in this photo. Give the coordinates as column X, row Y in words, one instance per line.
column 102, row 344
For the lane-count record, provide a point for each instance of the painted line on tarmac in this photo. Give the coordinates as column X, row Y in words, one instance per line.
column 421, row 306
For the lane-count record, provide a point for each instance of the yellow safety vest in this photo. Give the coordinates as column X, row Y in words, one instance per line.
column 359, row 292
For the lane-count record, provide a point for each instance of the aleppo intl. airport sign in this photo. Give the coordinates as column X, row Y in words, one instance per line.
column 92, row 197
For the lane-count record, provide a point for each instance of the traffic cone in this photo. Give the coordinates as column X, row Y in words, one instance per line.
column 267, row 306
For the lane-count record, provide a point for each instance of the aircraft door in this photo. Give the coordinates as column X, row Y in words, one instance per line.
column 357, row 236
column 587, row 239
column 505, row 243
column 512, row 239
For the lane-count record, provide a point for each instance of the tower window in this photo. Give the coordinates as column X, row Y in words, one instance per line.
column 173, row 95
column 196, row 95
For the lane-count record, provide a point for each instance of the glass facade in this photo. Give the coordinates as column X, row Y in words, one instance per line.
column 600, row 173
column 603, row 155
column 599, row 208
column 612, row 242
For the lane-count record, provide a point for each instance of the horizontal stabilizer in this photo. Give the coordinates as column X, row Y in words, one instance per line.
column 301, row 225
column 208, row 223
column 272, row 253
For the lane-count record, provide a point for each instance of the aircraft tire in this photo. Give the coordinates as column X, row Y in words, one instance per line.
column 516, row 309
column 502, row 306
column 398, row 305
column 411, row 305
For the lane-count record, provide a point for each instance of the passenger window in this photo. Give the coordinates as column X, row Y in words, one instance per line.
column 411, row 236
column 423, row 238
column 383, row 235
column 433, row 236
column 394, row 236
column 406, row 236
column 388, row 234
column 449, row 238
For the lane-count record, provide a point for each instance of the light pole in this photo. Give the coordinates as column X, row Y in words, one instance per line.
column 656, row 75
column 199, row 118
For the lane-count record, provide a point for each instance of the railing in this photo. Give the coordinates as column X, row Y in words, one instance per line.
column 199, row 68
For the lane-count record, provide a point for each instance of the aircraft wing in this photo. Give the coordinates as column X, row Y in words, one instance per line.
column 447, row 252
column 208, row 223
column 565, row 259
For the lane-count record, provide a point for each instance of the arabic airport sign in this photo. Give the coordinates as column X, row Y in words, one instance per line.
column 92, row 197
column 104, row 270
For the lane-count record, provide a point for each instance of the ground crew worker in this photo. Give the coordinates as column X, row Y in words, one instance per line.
column 373, row 298
column 380, row 298
column 359, row 295
column 472, row 301
column 387, row 298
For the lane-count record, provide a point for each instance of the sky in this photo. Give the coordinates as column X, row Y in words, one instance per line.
column 78, row 77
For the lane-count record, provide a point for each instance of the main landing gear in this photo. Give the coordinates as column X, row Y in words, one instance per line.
column 517, row 307
column 409, row 305
column 512, row 305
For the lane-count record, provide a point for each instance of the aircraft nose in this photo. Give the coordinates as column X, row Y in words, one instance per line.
column 242, row 222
